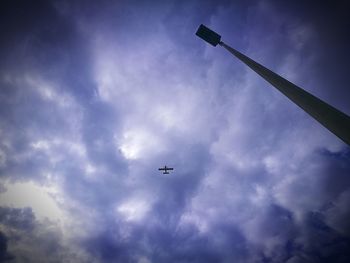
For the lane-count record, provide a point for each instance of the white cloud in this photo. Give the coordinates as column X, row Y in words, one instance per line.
column 140, row 143
column 133, row 209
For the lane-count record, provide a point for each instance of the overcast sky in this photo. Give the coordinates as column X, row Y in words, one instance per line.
column 96, row 96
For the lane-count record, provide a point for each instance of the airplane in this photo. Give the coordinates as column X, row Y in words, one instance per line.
column 165, row 169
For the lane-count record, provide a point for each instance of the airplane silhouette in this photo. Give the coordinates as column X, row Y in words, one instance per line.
column 165, row 169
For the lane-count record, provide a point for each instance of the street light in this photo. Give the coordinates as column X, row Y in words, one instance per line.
column 334, row 120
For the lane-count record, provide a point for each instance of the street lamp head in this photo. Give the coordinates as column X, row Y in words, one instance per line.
column 208, row 35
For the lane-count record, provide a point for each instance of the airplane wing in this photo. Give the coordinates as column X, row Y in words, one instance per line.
column 170, row 169
column 161, row 169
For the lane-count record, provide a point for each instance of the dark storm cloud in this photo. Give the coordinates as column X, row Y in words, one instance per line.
column 22, row 219
column 4, row 255
column 31, row 241
column 320, row 242
column 328, row 45
column 96, row 96
column 39, row 32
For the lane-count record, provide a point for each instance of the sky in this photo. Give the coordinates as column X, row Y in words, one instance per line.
column 97, row 95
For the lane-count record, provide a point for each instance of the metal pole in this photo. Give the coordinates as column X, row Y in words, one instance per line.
column 334, row 120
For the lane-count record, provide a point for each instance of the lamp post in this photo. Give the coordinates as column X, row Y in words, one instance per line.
column 334, row 120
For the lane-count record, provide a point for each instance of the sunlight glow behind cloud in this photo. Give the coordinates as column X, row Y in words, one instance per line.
column 28, row 194
column 133, row 210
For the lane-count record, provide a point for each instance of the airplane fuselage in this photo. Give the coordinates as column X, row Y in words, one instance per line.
column 165, row 169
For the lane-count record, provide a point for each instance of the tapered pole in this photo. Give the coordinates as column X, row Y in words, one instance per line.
column 334, row 120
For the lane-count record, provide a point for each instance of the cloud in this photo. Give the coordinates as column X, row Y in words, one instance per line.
column 31, row 195
column 26, row 239
column 4, row 255
column 106, row 93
